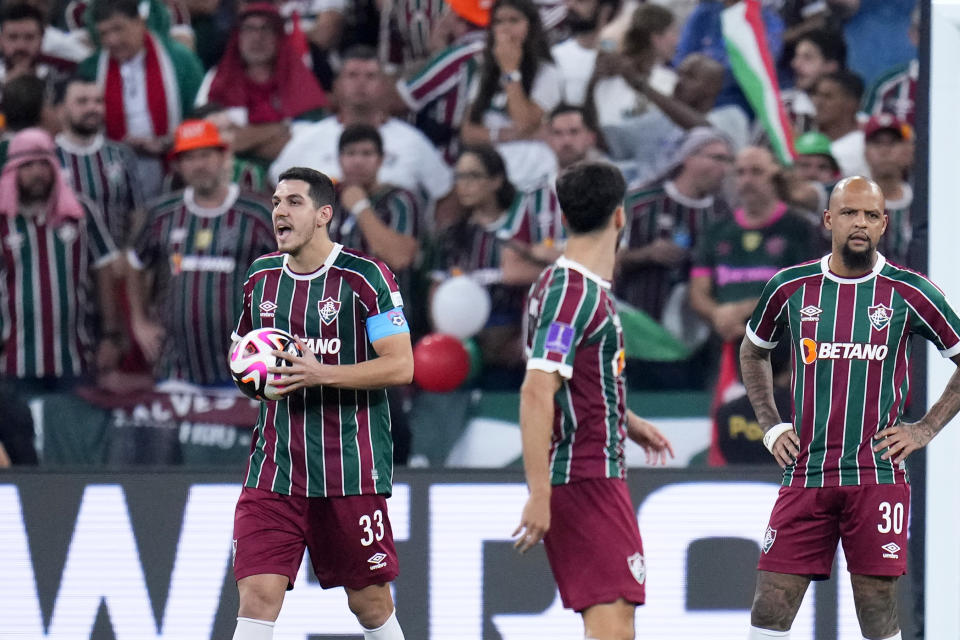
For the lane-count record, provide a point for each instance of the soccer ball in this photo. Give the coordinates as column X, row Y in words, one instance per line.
column 250, row 357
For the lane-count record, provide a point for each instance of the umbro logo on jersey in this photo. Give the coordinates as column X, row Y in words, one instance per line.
column 810, row 313
column 892, row 550
column 769, row 537
column 267, row 308
column 328, row 308
column 813, row 351
column 879, row 316
column 377, row 561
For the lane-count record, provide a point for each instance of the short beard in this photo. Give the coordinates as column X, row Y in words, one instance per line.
column 83, row 130
column 858, row 260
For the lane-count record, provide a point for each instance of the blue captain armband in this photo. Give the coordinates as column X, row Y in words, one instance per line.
column 386, row 324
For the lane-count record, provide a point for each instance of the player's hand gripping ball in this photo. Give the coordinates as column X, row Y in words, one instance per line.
column 250, row 357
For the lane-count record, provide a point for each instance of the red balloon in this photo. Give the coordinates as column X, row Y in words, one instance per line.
column 440, row 362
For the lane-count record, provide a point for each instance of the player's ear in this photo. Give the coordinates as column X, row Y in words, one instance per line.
column 324, row 215
column 827, row 219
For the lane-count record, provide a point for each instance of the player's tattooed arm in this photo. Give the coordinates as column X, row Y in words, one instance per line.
column 757, row 377
column 905, row 438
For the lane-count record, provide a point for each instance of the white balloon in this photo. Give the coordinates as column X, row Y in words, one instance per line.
column 460, row 307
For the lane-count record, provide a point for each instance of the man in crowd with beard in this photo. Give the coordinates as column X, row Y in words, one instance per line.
column 101, row 169
column 53, row 245
column 576, row 56
column 194, row 251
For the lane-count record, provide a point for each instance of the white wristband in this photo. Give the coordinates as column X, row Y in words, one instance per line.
column 775, row 432
column 360, row 207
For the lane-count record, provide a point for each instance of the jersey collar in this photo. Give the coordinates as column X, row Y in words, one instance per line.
column 95, row 145
column 686, row 201
column 319, row 272
column 825, row 267
column 233, row 191
column 567, row 263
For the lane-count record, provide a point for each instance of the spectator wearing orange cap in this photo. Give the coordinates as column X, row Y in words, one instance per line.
column 889, row 154
column 438, row 92
column 191, row 258
column 263, row 83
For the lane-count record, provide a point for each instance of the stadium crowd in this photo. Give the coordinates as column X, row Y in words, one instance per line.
column 142, row 139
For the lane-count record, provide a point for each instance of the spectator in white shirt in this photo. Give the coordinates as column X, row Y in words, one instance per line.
column 576, row 55
column 409, row 159
column 518, row 85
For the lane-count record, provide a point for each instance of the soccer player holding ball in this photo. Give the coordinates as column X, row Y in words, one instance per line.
column 321, row 461
column 574, row 420
column 849, row 317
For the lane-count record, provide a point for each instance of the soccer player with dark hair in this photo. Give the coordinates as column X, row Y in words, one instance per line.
column 574, row 420
column 321, row 460
column 848, row 317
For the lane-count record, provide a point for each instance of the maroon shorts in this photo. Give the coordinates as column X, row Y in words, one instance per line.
column 349, row 538
column 870, row 520
column 594, row 545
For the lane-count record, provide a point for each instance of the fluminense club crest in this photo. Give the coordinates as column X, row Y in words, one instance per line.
column 637, row 567
column 769, row 537
column 329, row 308
column 879, row 316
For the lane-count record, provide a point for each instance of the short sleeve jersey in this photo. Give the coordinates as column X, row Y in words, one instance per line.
column 572, row 328
column 46, row 292
column 200, row 257
column 324, row 441
column 851, row 350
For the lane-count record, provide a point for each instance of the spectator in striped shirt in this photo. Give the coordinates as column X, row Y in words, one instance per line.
column 437, row 94
column 101, row 169
column 54, row 247
column 895, row 91
column 665, row 219
column 193, row 253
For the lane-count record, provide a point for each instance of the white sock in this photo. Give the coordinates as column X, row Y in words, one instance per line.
column 389, row 630
column 895, row 636
column 250, row 629
column 756, row 633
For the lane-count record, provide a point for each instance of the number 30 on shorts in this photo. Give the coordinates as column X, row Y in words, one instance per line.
column 368, row 524
column 891, row 518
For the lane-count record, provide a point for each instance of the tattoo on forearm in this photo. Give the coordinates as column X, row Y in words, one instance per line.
column 758, row 379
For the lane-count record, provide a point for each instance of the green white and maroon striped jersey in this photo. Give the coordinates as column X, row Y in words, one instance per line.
column 200, row 257
column 661, row 211
column 395, row 207
column 45, row 292
column 105, row 172
column 534, row 217
column 851, row 346
column 439, row 92
column 573, row 329
column 322, row 441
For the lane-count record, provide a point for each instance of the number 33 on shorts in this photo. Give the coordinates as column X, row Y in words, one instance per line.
column 372, row 528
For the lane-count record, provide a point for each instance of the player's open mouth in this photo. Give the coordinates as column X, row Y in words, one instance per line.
column 283, row 230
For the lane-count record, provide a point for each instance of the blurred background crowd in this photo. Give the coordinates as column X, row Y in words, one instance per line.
column 141, row 141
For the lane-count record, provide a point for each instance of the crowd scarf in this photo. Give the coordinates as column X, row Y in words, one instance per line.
column 27, row 146
column 298, row 89
column 163, row 99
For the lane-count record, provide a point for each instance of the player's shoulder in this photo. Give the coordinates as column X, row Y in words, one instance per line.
column 796, row 273
column 371, row 269
column 909, row 277
column 265, row 264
